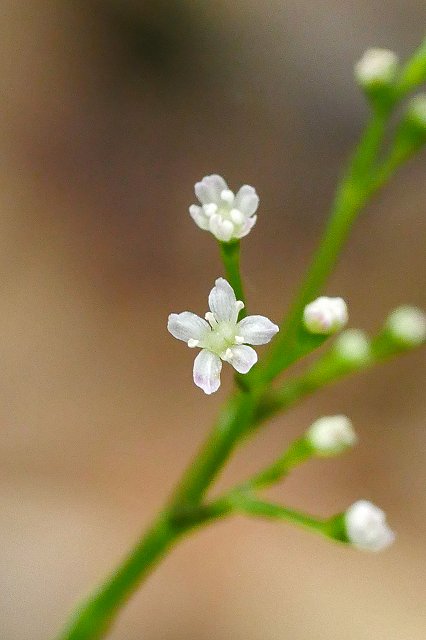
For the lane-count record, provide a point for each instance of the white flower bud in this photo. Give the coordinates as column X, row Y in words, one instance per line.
column 407, row 326
column 366, row 527
column 416, row 111
column 376, row 67
column 353, row 346
column 331, row 435
column 325, row 315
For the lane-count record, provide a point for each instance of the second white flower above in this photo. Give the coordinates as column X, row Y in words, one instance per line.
column 220, row 336
column 226, row 215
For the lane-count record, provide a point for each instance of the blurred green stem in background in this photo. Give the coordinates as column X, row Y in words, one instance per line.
column 251, row 405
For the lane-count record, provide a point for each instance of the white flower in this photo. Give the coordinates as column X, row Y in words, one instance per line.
column 325, row 315
column 226, row 215
column 377, row 66
column 330, row 435
column 353, row 346
column 221, row 336
column 407, row 325
column 366, row 526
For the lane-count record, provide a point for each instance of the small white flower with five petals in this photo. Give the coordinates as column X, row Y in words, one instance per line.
column 220, row 336
column 226, row 215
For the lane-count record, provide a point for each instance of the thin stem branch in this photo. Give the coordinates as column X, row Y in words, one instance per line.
column 230, row 253
column 352, row 194
column 299, row 451
column 253, row 506
column 413, row 73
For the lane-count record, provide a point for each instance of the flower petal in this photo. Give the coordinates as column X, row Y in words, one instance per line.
column 256, row 329
column 207, row 368
column 222, row 301
column 222, row 229
column 199, row 217
column 247, row 200
column 242, row 358
column 246, row 228
column 187, row 326
column 210, row 188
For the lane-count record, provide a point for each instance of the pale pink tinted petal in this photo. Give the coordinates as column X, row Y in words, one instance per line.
column 243, row 358
column 247, row 200
column 222, row 301
column 207, row 368
column 199, row 217
column 186, row 326
column 256, row 329
column 246, row 228
column 210, row 188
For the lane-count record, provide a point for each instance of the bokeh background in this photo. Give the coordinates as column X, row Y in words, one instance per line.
column 110, row 111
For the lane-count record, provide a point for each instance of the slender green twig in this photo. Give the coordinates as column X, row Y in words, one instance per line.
column 230, row 253
column 325, row 371
column 251, row 505
column 352, row 195
column 413, row 74
column 299, row 451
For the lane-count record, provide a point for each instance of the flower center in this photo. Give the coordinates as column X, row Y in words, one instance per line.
column 220, row 338
column 225, row 208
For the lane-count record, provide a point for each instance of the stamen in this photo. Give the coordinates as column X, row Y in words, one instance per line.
column 210, row 209
column 236, row 216
column 239, row 305
column 211, row 319
column 193, row 343
column 239, row 340
column 227, row 196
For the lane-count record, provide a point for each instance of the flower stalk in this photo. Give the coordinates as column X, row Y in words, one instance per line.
column 230, row 217
column 230, row 254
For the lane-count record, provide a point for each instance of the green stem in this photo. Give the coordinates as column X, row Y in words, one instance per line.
column 253, row 506
column 413, row 74
column 230, row 253
column 245, row 409
column 94, row 619
column 352, row 195
column 325, row 371
column 233, row 422
column 298, row 452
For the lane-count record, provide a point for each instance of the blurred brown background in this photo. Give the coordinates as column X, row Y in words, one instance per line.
column 110, row 111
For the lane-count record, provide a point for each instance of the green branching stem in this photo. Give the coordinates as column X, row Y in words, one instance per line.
column 248, row 407
column 356, row 189
column 249, row 504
